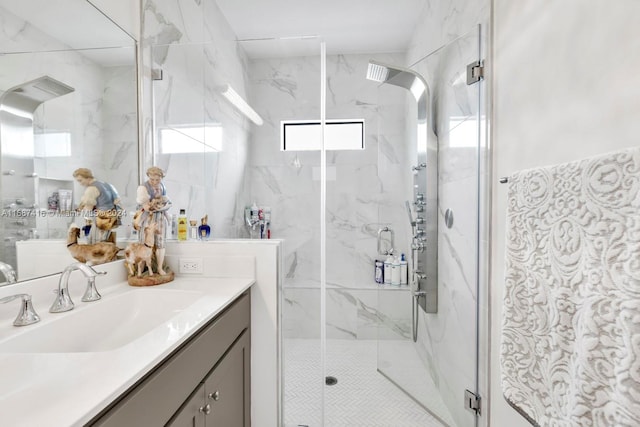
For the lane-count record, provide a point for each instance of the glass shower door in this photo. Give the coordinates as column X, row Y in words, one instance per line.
column 437, row 362
column 283, row 80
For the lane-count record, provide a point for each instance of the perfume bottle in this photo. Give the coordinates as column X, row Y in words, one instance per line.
column 193, row 229
column 204, row 231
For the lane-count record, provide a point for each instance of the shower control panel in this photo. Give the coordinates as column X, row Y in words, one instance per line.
column 425, row 238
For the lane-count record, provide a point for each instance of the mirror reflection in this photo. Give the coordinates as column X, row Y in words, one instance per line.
column 68, row 135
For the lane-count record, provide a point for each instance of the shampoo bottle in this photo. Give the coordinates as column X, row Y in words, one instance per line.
column 404, row 276
column 182, row 226
column 395, row 272
column 388, row 263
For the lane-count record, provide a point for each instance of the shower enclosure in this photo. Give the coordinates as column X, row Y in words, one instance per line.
column 348, row 349
column 346, row 343
column 19, row 182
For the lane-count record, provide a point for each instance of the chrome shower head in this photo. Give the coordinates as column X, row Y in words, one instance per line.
column 397, row 76
column 377, row 72
column 27, row 96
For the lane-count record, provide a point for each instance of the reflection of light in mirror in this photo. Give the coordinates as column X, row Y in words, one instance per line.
column 417, row 88
column 463, row 132
column 16, row 112
column 422, row 137
column 53, row 144
column 193, row 139
column 20, row 144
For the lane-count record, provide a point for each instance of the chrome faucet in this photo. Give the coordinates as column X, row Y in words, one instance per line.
column 27, row 314
column 63, row 300
column 9, row 272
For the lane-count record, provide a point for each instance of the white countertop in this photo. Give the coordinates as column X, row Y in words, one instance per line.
column 69, row 389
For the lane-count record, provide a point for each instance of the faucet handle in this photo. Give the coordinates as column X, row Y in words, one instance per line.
column 62, row 302
column 27, row 314
column 91, row 293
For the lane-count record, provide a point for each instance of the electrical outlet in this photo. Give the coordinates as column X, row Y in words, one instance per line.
column 191, row 265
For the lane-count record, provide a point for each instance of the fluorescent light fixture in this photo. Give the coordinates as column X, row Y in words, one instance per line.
column 242, row 106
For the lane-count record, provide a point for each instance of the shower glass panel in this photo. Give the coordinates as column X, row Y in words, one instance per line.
column 182, row 105
column 284, row 84
column 365, row 194
column 437, row 369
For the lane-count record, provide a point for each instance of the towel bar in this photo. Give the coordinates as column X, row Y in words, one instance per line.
column 391, row 241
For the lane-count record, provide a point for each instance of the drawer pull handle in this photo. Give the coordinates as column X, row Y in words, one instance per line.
column 215, row 395
column 206, row 409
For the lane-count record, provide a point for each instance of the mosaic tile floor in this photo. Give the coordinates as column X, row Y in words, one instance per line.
column 361, row 398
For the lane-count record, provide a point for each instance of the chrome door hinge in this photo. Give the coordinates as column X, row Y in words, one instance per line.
column 475, row 72
column 472, row 402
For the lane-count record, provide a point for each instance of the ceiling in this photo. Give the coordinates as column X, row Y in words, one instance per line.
column 346, row 26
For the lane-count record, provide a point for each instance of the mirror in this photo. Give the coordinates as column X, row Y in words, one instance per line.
column 68, row 100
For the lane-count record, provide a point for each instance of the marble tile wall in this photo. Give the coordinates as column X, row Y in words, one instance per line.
column 195, row 48
column 365, row 192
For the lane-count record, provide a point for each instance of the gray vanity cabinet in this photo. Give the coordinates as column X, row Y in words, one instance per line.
column 221, row 400
column 206, row 382
column 192, row 413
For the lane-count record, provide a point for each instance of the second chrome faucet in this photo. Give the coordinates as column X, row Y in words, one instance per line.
column 63, row 301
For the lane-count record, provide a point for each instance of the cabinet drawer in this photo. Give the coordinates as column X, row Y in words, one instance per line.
column 161, row 393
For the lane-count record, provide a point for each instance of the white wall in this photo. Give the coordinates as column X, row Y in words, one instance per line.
column 566, row 87
column 235, row 258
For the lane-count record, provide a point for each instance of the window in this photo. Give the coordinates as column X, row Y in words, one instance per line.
column 463, row 132
column 191, row 139
column 306, row 135
column 51, row 144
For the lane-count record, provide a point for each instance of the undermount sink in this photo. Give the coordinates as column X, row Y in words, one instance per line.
column 102, row 325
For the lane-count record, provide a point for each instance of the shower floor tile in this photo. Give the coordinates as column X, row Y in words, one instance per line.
column 361, row 398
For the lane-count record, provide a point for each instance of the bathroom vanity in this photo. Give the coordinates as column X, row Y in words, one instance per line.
column 206, row 382
column 177, row 354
